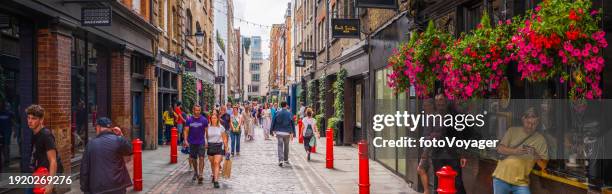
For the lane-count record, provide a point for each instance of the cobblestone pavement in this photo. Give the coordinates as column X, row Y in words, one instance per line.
column 255, row 171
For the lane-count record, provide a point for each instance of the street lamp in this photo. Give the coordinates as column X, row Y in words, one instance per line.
column 199, row 36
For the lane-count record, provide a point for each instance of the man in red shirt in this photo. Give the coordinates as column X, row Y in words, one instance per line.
column 179, row 120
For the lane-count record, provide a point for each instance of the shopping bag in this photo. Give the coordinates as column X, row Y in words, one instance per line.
column 227, row 168
column 313, row 141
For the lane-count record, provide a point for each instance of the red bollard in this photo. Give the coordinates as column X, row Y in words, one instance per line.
column 137, row 144
column 446, row 180
column 364, row 168
column 173, row 144
column 329, row 156
column 300, row 129
column 40, row 172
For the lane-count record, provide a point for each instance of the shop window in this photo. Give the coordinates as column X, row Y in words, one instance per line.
column 173, row 81
column 472, row 14
column 137, row 65
column 385, row 103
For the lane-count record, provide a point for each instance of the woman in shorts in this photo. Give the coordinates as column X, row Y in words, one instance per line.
column 217, row 146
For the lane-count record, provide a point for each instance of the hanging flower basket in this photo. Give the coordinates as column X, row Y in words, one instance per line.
column 562, row 38
column 476, row 62
column 419, row 62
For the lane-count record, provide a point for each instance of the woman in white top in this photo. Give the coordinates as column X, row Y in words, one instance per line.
column 217, row 146
column 310, row 130
column 267, row 121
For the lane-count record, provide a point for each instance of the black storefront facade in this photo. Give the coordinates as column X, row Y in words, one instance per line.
column 456, row 17
column 168, row 77
column 77, row 73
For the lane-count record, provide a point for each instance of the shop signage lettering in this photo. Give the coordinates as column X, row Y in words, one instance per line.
column 345, row 28
column 383, row 4
column 190, row 66
column 308, row 55
column 99, row 16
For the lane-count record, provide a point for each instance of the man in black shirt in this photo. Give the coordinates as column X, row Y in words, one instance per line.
column 44, row 152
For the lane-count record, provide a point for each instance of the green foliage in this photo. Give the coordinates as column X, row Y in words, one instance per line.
column 208, row 96
column 322, row 90
column 319, row 118
column 339, row 94
column 332, row 123
column 310, row 101
column 189, row 92
column 220, row 42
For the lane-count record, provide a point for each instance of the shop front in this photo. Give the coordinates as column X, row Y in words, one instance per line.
column 575, row 135
column 17, row 85
column 76, row 73
column 167, row 82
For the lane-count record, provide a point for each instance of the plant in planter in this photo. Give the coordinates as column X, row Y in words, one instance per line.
column 189, row 92
column 476, row 62
column 563, row 39
column 418, row 63
column 333, row 122
column 338, row 103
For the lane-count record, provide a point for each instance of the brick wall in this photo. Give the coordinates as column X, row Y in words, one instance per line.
column 150, row 109
column 53, row 59
column 120, row 91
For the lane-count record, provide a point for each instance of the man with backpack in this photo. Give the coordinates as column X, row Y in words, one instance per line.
column 284, row 130
column 310, row 126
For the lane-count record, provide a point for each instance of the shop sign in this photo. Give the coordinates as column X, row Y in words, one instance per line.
column 190, row 66
column 345, row 28
column 383, row 4
column 98, row 16
column 308, row 55
column 300, row 63
column 219, row 79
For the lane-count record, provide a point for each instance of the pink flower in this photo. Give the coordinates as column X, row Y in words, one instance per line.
column 561, row 80
column 595, row 50
column 594, row 12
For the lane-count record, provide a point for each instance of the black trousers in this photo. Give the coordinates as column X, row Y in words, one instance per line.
column 307, row 143
column 456, row 165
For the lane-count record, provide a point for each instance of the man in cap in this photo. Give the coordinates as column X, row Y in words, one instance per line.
column 103, row 167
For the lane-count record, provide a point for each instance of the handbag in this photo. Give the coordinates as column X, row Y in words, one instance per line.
column 227, row 168
column 312, row 142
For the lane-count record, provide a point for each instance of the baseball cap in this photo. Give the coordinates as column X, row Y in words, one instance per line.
column 104, row 122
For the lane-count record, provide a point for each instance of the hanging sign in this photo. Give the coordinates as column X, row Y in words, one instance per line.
column 97, row 16
column 345, row 28
column 383, row 4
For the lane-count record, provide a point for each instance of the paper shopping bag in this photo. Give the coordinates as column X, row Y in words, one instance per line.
column 227, row 169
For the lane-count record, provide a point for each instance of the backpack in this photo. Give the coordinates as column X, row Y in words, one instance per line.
column 309, row 132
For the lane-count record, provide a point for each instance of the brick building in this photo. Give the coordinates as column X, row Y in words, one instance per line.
column 49, row 58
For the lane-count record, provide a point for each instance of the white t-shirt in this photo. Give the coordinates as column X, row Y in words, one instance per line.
column 309, row 121
column 214, row 134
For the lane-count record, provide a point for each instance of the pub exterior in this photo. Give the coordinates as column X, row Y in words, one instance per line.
column 456, row 17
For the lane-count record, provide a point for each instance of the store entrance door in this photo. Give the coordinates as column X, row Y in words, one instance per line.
column 137, row 116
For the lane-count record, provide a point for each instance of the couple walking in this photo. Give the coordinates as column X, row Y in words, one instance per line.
column 284, row 130
column 204, row 139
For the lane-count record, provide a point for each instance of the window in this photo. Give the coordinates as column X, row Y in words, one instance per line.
column 137, row 65
column 188, row 23
column 255, row 77
column 165, row 16
column 255, row 66
column 136, row 6
column 175, row 24
column 253, row 88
